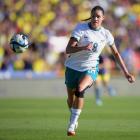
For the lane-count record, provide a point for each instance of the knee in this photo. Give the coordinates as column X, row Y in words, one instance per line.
column 79, row 92
column 79, row 88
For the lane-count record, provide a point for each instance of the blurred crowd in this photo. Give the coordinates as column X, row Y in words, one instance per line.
column 48, row 23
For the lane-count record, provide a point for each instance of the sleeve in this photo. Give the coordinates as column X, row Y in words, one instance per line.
column 109, row 38
column 76, row 33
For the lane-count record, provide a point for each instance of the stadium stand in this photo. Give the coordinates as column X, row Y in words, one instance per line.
column 49, row 23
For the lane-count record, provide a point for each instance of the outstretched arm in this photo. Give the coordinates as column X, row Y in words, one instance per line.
column 118, row 57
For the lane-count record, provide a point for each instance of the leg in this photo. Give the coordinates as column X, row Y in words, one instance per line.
column 85, row 82
column 70, row 101
column 78, row 103
column 71, row 97
column 98, row 91
column 111, row 91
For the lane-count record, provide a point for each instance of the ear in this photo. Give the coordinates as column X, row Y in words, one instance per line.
column 103, row 17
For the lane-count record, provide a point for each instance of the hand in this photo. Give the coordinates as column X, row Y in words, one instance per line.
column 130, row 78
column 89, row 47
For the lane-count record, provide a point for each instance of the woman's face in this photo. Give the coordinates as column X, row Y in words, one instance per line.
column 97, row 18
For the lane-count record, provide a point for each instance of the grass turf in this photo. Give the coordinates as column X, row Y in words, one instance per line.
column 46, row 119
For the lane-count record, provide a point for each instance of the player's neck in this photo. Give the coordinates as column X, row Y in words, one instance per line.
column 94, row 28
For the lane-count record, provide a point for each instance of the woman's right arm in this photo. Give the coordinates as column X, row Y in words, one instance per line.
column 72, row 46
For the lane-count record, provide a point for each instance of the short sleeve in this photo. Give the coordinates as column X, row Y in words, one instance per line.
column 76, row 33
column 109, row 38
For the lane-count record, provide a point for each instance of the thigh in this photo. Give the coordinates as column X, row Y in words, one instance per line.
column 106, row 78
column 98, row 80
column 71, row 79
column 85, row 82
column 88, row 78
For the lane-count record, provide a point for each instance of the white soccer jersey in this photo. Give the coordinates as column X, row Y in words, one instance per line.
column 85, row 59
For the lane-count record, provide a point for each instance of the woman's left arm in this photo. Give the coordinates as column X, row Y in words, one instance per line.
column 119, row 59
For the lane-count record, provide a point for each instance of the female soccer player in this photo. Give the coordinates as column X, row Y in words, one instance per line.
column 84, row 47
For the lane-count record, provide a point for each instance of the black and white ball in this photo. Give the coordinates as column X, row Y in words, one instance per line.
column 19, row 43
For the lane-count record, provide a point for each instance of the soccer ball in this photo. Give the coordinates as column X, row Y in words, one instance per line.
column 19, row 43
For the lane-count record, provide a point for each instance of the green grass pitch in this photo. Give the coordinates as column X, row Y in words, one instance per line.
column 46, row 119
